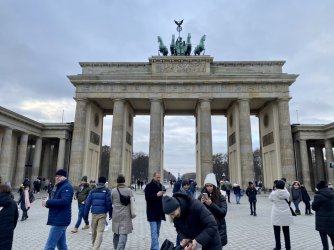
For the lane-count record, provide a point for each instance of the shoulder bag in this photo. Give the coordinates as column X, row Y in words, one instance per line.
column 292, row 212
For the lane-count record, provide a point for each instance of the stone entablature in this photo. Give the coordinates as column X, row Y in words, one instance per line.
column 313, row 132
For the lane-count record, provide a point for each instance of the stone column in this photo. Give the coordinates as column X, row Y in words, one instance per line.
column 305, row 165
column 329, row 158
column 156, row 138
column 61, row 153
column 116, row 150
column 319, row 163
column 37, row 157
column 46, row 161
column 246, row 150
column 5, row 156
column 285, row 138
column 205, row 138
column 21, row 161
column 78, row 142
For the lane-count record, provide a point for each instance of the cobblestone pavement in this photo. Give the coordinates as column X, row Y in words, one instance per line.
column 244, row 231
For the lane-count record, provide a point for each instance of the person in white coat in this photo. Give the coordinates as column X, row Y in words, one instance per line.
column 280, row 214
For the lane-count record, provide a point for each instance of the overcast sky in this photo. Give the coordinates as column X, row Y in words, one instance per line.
column 41, row 42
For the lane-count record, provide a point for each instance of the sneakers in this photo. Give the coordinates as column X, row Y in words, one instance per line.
column 85, row 227
column 106, row 228
column 74, row 230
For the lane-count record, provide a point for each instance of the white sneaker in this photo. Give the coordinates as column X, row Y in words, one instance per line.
column 106, row 228
column 90, row 232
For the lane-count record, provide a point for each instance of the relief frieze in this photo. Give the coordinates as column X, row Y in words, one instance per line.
column 163, row 68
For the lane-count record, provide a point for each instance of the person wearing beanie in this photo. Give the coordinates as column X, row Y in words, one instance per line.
column 192, row 221
column 81, row 195
column 251, row 193
column 99, row 203
column 186, row 188
column 154, row 212
column 215, row 202
column 122, row 217
column 59, row 206
column 280, row 214
column 323, row 205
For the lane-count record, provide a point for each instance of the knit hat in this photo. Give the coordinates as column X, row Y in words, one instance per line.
column 210, row 179
column 120, row 179
column 185, row 182
column 169, row 204
column 102, row 180
column 321, row 185
column 280, row 184
column 84, row 178
column 61, row 172
column 250, row 183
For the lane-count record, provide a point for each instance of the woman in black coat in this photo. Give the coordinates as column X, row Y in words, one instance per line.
column 8, row 217
column 251, row 193
column 323, row 205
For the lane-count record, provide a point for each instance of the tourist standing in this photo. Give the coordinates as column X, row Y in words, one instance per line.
column 99, row 202
column 251, row 193
column 306, row 199
column 59, row 211
column 280, row 214
column 81, row 195
column 8, row 217
column 323, row 205
column 121, row 214
column 296, row 195
column 154, row 212
column 26, row 197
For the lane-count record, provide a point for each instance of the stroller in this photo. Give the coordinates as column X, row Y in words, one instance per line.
column 168, row 245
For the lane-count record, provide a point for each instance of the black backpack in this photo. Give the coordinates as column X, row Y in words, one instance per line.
column 125, row 199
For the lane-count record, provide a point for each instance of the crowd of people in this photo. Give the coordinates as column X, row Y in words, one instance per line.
column 199, row 220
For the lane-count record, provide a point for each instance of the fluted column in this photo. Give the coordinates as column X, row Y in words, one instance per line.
column 245, row 135
column 21, row 160
column 61, row 153
column 5, row 155
column 78, row 142
column 117, row 134
column 205, row 138
column 319, row 162
column 285, row 138
column 329, row 158
column 305, row 164
column 156, row 138
column 37, row 157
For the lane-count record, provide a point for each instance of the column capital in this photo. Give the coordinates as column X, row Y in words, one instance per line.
column 155, row 99
column 119, row 100
column 80, row 99
column 205, row 100
column 243, row 99
column 284, row 99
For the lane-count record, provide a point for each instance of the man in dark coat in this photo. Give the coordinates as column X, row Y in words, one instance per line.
column 193, row 222
column 59, row 207
column 8, row 217
column 323, row 205
column 154, row 211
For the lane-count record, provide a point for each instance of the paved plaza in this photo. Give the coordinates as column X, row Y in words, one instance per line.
column 244, row 231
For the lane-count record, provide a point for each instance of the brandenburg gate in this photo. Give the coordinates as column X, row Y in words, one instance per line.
column 183, row 85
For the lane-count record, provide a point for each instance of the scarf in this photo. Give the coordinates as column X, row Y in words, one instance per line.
column 26, row 198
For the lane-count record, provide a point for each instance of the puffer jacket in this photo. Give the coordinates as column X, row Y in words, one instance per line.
column 99, row 201
column 197, row 222
column 323, row 205
column 280, row 212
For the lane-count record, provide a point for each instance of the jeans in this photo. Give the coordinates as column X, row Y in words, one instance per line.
column 252, row 205
column 119, row 241
column 81, row 208
column 286, row 233
column 228, row 192
column 237, row 198
column 57, row 237
column 98, row 224
column 324, row 240
column 296, row 203
column 155, row 232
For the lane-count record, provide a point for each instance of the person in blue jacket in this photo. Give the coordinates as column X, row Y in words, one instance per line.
column 59, row 206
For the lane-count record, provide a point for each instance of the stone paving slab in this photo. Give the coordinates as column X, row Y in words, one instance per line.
column 244, row 231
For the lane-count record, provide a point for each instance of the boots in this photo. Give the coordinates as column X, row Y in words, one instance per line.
column 74, row 230
column 254, row 213
column 297, row 212
column 85, row 227
column 251, row 213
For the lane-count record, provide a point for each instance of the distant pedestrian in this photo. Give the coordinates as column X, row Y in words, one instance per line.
column 306, row 199
column 59, row 207
column 8, row 217
column 237, row 192
column 226, row 186
column 99, row 202
column 323, row 205
column 177, row 186
column 25, row 200
column 121, row 214
column 296, row 195
column 251, row 193
column 193, row 186
column 154, row 212
column 81, row 195
column 280, row 214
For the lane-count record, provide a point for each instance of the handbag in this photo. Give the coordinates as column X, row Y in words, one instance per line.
column 292, row 212
column 125, row 199
column 132, row 208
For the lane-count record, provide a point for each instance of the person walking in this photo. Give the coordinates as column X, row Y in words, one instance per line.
column 121, row 214
column 296, row 195
column 280, row 214
column 154, row 212
column 251, row 192
column 81, row 195
column 99, row 202
column 227, row 186
column 323, row 205
column 25, row 200
column 8, row 217
column 215, row 202
column 306, row 199
column 237, row 192
column 194, row 223
column 59, row 207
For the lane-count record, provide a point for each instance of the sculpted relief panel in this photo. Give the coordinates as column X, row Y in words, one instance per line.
column 186, row 68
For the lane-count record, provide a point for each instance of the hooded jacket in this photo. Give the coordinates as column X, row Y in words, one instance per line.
column 99, row 199
column 280, row 212
column 323, row 205
column 8, row 219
